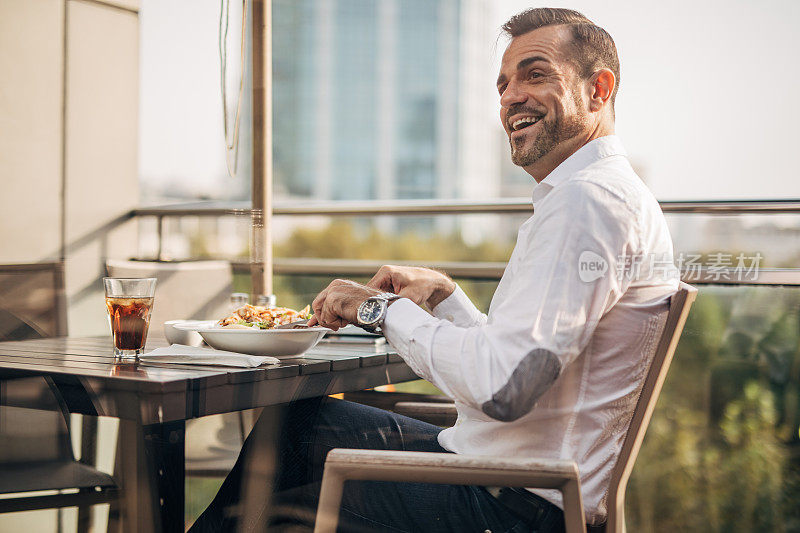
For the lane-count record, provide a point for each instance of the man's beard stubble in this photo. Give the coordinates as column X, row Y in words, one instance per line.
column 553, row 133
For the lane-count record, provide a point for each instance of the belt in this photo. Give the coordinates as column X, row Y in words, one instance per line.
column 529, row 507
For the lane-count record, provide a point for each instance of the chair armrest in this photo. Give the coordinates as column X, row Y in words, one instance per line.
column 425, row 467
column 440, row 414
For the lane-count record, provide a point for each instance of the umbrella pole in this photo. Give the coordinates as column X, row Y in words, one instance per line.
column 261, row 250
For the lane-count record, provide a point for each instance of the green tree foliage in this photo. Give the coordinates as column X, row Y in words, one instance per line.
column 344, row 240
column 721, row 453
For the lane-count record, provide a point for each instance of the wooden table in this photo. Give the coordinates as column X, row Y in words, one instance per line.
column 153, row 402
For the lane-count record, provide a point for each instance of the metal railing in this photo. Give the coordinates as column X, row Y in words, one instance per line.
column 493, row 271
column 450, row 207
column 462, row 270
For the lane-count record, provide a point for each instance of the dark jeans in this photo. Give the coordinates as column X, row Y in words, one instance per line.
column 312, row 428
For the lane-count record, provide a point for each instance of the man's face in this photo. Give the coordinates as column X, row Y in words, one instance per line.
column 541, row 94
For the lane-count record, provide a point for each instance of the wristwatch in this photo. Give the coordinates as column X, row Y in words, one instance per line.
column 372, row 311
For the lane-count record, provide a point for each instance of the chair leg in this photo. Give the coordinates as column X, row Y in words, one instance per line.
column 84, row 517
column 88, row 457
column 573, row 508
column 115, row 517
column 329, row 502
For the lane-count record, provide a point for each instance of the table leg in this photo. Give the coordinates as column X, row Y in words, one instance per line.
column 150, row 463
column 138, row 503
column 259, row 470
column 165, row 445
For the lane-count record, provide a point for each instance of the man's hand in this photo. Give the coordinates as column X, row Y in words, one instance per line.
column 337, row 305
column 422, row 286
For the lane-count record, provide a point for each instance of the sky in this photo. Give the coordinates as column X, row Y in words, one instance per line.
column 180, row 117
column 706, row 107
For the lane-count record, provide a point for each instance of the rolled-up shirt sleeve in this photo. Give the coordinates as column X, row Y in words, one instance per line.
column 563, row 278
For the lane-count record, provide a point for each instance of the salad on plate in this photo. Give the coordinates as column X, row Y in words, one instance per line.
column 258, row 317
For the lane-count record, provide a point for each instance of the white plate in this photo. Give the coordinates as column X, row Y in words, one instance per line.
column 185, row 331
column 193, row 325
column 274, row 342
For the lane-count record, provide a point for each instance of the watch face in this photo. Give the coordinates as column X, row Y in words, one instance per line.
column 370, row 311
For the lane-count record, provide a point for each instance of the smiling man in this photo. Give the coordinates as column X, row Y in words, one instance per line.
column 554, row 369
column 548, row 110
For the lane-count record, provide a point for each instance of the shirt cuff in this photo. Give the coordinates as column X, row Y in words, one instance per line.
column 458, row 309
column 402, row 318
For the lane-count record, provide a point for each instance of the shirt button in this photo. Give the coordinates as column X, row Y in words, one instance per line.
column 451, row 318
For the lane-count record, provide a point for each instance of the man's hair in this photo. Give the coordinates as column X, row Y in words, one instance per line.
column 593, row 46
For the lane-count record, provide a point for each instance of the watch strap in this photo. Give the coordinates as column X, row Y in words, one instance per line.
column 389, row 297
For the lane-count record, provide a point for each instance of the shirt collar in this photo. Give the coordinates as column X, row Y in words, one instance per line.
column 587, row 154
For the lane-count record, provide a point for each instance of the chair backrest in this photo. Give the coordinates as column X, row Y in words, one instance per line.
column 33, row 423
column 32, row 301
column 679, row 306
column 190, row 290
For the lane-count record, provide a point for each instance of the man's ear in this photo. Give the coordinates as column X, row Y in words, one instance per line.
column 602, row 87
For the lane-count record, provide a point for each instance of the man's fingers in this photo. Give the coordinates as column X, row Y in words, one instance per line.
column 382, row 279
column 319, row 302
column 336, row 306
column 330, row 319
column 413, row 295
column 334, row 322
column 325, row 309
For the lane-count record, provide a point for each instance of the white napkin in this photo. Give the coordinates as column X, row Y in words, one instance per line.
column 194, row 355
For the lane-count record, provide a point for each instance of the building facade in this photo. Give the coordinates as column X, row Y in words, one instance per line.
column 377, row 100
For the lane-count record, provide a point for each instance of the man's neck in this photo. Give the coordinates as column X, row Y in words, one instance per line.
column 544, row 166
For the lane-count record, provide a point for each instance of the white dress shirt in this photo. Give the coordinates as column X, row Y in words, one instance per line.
column 555, row 369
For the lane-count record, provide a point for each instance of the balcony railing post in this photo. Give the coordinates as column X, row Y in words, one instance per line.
column 261, row 251
column 160, row 236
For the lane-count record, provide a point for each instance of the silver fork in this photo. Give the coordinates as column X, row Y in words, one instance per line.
column 294, row 325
